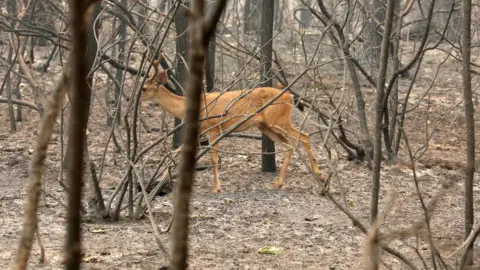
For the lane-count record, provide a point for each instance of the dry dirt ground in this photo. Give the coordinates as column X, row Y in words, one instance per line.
column 229, row 228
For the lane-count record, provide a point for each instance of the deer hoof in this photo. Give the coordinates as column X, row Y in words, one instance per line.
column 322, row 179
column 277, row 184
column 319, row 176
column 216, row 190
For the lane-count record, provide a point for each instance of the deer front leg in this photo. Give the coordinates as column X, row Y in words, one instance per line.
column 214, row 161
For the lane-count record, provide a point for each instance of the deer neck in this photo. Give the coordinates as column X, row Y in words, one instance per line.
column 172, row 103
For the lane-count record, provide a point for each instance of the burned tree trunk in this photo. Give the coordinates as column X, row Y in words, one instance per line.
column 181, row 26
column 78, row 124
column 201, row 31
column 377, row 151
column 268, row 146
column 470, row 129
column 91, row 53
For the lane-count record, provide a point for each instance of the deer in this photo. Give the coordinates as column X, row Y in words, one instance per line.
column 223, row 110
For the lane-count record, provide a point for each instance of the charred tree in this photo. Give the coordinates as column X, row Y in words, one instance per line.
column 119, row 74
column 305, row 16
column 78, row 124
column 201, row 31
column 470, row 128
column 91, row 53
column 372, row 38
column 251, row 16
column 266, row 33
column 8, row 80
column 379, row 108
column 278, row 15
column 210, row 60
column 181, row 26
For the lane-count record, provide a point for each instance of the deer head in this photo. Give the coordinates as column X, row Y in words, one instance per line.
column 155, row 83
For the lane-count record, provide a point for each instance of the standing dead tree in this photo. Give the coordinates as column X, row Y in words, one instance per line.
column 266, row 32
column 36, row 172
column 80, row 12
column 470, row 129
column 201, row 30
column 336, row 34
column 78, row 125
column 377, row 151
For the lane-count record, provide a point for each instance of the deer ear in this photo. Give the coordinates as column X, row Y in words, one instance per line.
column 279, row 85
column 162, row 76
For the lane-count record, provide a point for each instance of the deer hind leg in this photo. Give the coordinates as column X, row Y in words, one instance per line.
column 294, row 134
column 280, row 139
column 214, row 160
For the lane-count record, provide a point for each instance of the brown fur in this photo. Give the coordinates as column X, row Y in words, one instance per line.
column 230, row 107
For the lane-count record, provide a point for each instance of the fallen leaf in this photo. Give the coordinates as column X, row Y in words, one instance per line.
column 98, row 230
column 270, row 250
column 90, row 259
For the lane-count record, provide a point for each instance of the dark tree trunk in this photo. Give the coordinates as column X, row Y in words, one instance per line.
column 470, row 125
column 13, row 126
column 456, row 21
column 372, row 38
column 122, row 35
column 202, row 29
column 42, row 42
column 19, row 97
column 210, row 60
column 251, row 16
column 181, row 25
column 377, row 146
column 362, row 118
column 305, row 15
column 108, row 99
column 142, row 19
column 78, row 124
column 393, row 105
column 278, row 15
column 266, row 33
column 92, row 48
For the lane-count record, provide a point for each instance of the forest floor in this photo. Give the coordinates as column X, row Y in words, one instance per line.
column 228, row 229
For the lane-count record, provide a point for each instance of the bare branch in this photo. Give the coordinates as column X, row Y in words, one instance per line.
column 22, row 103
column 36, row 172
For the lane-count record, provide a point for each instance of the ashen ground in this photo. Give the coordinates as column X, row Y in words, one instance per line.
column 227, row 229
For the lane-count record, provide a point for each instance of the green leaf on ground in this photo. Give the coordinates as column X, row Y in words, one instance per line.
column 270, row 250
